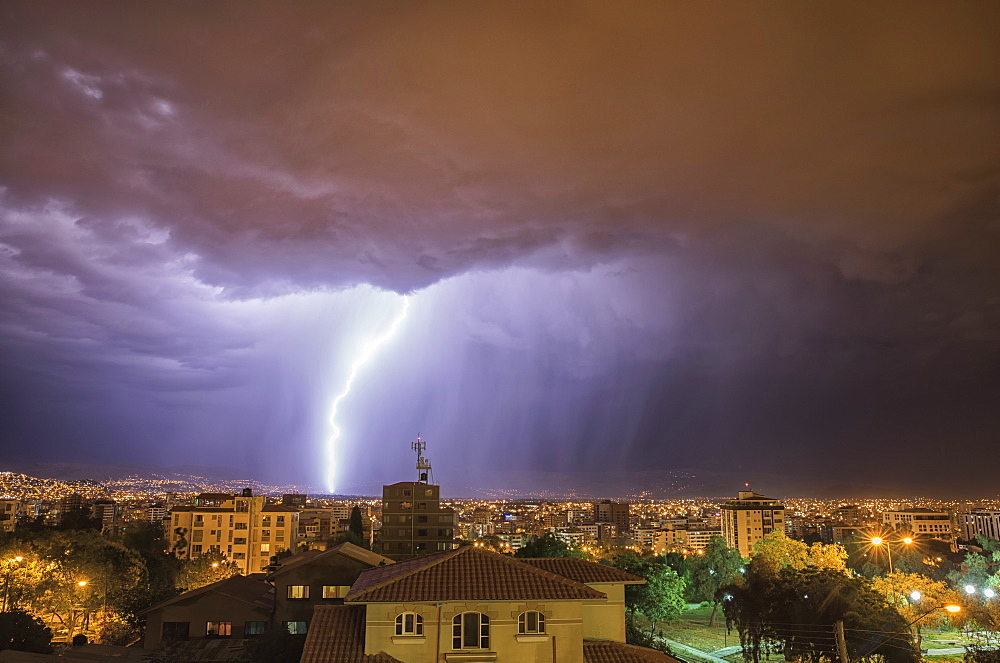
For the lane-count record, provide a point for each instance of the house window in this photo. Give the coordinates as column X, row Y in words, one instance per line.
column 335, row 591
column 295, row 628
column 240, row 541
column 409, row 623
column 298, row 591
column 470, row 630
column 251, row 629
column 176, row 630
column 531, row 621
column 196, row 549
column 421, row 532
column 219, row 629
column 265, row 547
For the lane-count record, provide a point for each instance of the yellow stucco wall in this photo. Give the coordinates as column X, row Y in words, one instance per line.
column 562, row 640
column 605, row 619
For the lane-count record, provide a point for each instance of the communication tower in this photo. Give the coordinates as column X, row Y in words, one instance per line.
column 424, row 472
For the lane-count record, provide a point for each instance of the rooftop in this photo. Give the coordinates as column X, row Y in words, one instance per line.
column 465, row 574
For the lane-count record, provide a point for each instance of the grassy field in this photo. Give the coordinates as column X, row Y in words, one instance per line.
column 693, row 629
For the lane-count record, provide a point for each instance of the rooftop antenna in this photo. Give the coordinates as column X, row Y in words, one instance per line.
column 423, row 464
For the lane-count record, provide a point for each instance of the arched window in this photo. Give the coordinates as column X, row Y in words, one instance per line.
column 470, row 630
column 531, row 621
column 409, row 623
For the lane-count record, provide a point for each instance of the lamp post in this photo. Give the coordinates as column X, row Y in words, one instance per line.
column 6, row 578
column 878, row 540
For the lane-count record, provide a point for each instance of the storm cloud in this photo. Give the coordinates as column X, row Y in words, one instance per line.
column 728, row 238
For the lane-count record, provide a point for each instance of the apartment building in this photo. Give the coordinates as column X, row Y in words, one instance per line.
column 243, row 528
column 748, row 518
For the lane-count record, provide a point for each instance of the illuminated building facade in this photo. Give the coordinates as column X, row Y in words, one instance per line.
column 921, row 522
column 244, row 528
column 748, row 518
column 980, row 522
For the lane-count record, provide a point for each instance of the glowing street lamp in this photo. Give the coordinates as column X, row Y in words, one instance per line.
column 12, row 564
column 878, row 540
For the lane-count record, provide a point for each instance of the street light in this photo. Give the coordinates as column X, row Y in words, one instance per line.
column 12, row 564
column 878, row 540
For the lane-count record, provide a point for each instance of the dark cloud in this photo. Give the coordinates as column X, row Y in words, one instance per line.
column 668, row 224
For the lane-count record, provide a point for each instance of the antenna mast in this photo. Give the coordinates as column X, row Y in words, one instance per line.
column 423, row 464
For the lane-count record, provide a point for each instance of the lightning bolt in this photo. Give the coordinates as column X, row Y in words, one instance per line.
column 366, row 354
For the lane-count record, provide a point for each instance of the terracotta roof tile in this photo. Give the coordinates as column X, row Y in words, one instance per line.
column 247, row 589
column 346, row 549
column 337, row 635
column 582, row 571
column 465, row 574
column 606, row 651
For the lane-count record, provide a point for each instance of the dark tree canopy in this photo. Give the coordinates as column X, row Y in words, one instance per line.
column 22, row 631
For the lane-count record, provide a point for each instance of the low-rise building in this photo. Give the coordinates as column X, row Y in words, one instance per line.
column 920, row 522
column 470, row 604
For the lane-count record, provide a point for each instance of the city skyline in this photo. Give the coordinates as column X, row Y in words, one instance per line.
column 755, row 240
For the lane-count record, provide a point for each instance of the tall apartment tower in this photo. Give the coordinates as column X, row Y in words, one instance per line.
column 613, row 512
column 748, row 518
column 413, row 521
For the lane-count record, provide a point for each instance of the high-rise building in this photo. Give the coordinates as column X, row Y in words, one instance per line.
column 413, row 521
column 613, row 512
column 243, row 528
column 748, row 518
column 979, row 522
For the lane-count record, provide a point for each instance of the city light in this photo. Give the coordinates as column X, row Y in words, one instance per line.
column 365, row 354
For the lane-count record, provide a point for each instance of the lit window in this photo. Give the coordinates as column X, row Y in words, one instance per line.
column 409, row 623
column 219, row 629
column 470, row 630
column 295, row 628
column 335, row 591
column 298, row 591
column 531, row 621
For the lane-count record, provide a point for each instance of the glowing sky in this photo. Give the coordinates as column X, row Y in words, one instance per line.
column 747, row 238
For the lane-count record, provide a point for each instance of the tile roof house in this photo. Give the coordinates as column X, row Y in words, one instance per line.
column 248, row 606
column 470, row 604
column 317, row 577
column 231, row 608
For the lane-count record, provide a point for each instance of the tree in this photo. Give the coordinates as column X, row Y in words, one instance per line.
column 22, row 631
column 661, row 598
column 796, row 609
column 548, row 545
column 204, row 570
column 918, row 609
column 357, row 526
column 776, row 551
column 719, row 566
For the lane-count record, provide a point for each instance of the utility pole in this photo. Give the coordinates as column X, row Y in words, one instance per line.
column 838, row 631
